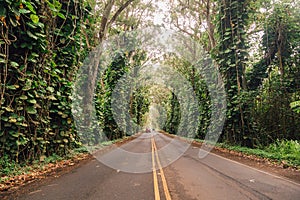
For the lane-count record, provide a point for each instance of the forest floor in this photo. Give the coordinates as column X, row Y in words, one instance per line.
column 33, row 178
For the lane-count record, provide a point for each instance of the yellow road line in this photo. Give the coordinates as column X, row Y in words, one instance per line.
column 156, row 190
column 163, row 178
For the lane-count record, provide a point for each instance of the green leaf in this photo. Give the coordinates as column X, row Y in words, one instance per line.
column 8, row 109
column 29, row 6
column 14, row 134
column 14, row 64
column 31, row 59
column 30, row 24
column 51, row 97
column 41, row 25
column 227, row 50
column 34, row 54
column 15, row 11
column 2, row 11
column 31, row 35
column 4, row 118
column 21, row 142
column 40, row 35
column 61, row 15
column 34, row 18
column 20, row 108
column 2, row 60
column 33, row 101
column 24, row 11
column 11, row 87
column 12, row 120
column 27, row 85
column 31, row 110
column 295, row 104
column 50, row 89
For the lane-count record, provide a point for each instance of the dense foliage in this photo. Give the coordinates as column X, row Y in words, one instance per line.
column 136, row 98
column 42, row 43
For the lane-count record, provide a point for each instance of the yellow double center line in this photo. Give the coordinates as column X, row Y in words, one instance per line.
column 163, row 178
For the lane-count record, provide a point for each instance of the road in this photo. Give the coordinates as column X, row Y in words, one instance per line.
column 156, row 167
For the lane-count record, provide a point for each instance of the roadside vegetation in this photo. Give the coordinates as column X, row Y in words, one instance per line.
column 16, row 173
column 285, row 152
column 11, row 169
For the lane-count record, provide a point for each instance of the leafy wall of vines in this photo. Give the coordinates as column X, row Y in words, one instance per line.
column 41, row 45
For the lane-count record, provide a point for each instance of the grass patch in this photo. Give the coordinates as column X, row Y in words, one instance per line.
column 283, row 151
column 10, row 168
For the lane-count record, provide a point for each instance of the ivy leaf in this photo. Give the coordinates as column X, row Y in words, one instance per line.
column 31, row 110
column 23, row 124
column 12, row 120
column 4, row 118
column 27, row 85
column 14, row 134
column 21, row 142
column 34, row 18
column 50, row 89
column 8, row 109
column 51, row 97
column 33, row 101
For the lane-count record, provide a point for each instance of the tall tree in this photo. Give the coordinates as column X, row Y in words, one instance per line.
column 280, row 41
column 231, row 55
column 111, row 11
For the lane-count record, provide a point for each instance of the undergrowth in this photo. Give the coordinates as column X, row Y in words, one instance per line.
column 9, row 168
column 285, row 151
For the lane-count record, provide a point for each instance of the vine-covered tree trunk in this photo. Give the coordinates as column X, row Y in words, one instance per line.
column 231, row 57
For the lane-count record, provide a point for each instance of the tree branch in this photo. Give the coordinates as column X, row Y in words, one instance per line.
column 119, row 11
column 104, row 20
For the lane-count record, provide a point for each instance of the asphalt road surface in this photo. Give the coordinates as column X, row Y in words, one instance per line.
column 154, row 166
